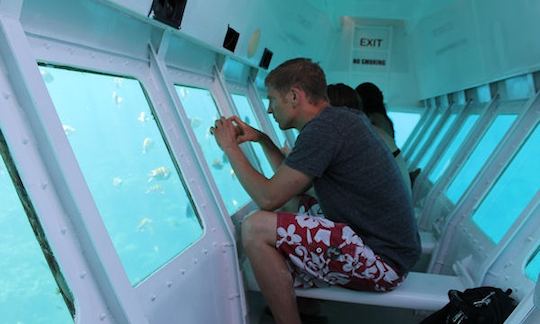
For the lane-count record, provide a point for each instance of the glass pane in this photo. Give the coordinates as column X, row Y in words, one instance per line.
column 452, row 149
column 279, row 132
column 435, row 144
column 513, row 190
column 127, row 166
column 202, row 111
column 28, row 291
column 479, row 156
column 246, row 114
column 404, row 124
column 425, row 137
column 533, row 266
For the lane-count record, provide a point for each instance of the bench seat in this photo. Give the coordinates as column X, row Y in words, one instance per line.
column 421, row 291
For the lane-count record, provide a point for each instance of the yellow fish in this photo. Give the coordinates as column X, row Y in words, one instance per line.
column 145, row 224
column 159, row 173
column 155, row 188
column 147, row 144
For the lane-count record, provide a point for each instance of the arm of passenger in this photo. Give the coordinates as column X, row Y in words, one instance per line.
column 268, row 194
column 248, row 133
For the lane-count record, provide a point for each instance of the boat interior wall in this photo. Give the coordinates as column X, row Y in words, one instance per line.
column 467, row 43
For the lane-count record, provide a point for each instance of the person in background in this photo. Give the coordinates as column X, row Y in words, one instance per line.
column 341, row 95
column 373, row 105
column 368, row 239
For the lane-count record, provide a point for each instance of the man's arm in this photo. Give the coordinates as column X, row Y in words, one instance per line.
column 268, row 194
column 248, row 133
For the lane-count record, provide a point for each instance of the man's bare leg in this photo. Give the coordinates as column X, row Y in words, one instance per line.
column 269, row 267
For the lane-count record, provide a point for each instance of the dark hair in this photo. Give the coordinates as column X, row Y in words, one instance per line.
column 373, row 101
column 372, row 98
column 299, row 72
column 341, row 95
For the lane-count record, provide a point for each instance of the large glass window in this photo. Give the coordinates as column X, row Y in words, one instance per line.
column 28, row 291
column 201, row 109
column 452, row 149
column 127, row 165
column 279, row 132
column 532, row 269
column 425, row 137
column 479, row 156
column 435, row 144
column 508, row 197
column 246, row 114
column 404, row 124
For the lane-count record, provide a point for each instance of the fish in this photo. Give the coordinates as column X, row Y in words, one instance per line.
column 217, row 164
column 159, row 173
column 68, row 130
column 142, row 117
column 233, row 175
column 155, row 188
column 145, row 224
column 147, row 144
column 118, row 82
column 117, row 181
column 117, row 99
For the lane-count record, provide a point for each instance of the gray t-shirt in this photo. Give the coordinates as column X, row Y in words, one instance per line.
column 358, row 183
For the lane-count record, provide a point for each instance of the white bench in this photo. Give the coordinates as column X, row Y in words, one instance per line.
column 421, row 291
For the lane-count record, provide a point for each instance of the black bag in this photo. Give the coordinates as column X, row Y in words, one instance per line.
column 482, row 305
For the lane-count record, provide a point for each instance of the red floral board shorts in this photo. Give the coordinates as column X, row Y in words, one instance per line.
column 322, row 253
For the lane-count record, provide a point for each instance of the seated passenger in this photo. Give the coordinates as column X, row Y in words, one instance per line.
column 341, row 95
column 368, row 240
column 373, row 103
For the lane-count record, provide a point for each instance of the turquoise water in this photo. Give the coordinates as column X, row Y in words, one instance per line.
column 201, row 109
column 532, row 268
column 245, row 111
column 28, row 292
column 425, row 137
column 131, row 175
column 275, row 125
column 448, row 155
column 517, row 185
column 404, row 124
column 479, row 156
column 433, row 146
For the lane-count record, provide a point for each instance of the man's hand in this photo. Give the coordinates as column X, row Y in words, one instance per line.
column 226, row 134
column 245, row 132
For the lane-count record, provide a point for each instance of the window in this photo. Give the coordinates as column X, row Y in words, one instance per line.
column 202, row 112
column 28, row 291
column 508, row 197
column 435, row 144
column 425, row 137
column 532, row 269
column 404, row 124
column 279, row 132
column 127, row 166
column 452, row 149
column 246, row 114
column 479, row 156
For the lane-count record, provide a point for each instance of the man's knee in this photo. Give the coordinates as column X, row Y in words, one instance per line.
column 259, row 227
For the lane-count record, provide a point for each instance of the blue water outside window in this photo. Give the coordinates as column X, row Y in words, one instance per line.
column 275, row 125
column 246, row 114
column 479, row 156
column 404, row 124
column 435, row 144
column 532, row 269
column 448, row 155
column 202, row 111
column 425, row 137
column 517, row 185
column 134, row 181
column 28, row 291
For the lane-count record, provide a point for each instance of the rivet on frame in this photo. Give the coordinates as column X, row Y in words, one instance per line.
column 102, row 317
column 63, row 231
column 153, row 298
column 82, row 275
column 169, row 284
